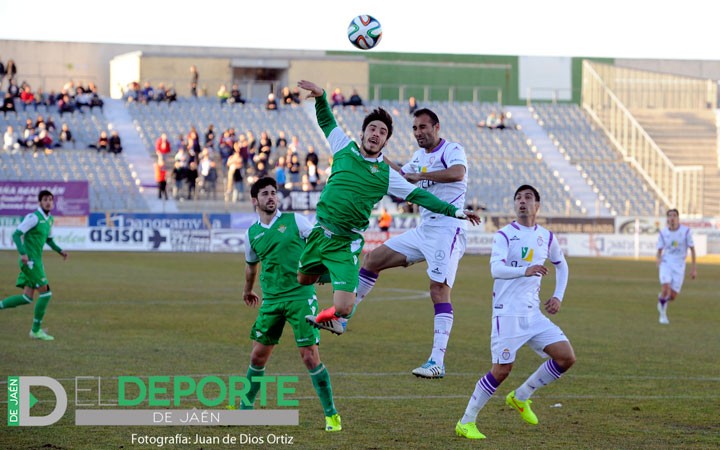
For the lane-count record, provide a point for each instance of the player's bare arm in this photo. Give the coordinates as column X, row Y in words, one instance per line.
column 249, row 296
column 315, row 90
column 449, row 175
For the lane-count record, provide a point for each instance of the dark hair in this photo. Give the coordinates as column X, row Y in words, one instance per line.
column 381, row 115
column 526, row 187
column 262, row 183
column 672, row 210
column 424, row 111
column 44, row 193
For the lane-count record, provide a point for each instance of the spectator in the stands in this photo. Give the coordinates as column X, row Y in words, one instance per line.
column 293, row 166
column 13, row 89
column 147, row 94
column 210, row 136
column 236, row 95
column 194, row 80
column 103, row 142
column 209, row 175
column 115, row 145
column 235, row 184
column 412, row 105
column 280, row 172
column 271, row 104
column 311, row 157
column 2, row 73
column 66, row 105
column 162, row 146
column 82, row 98
column 160, row 95
column 179, row 177
column 281, row 143
column 287, row 98
column 355, row 99
column 95, row 100
column 161, row 178
column 223, row 95
column 27, row 97
column 10, row 140
column 170, row 94
column 296, row 95
column 312, row 174
column 338, row 99
column 65, row 136
column 191, row 176
column 10, row 70
column 8, row 105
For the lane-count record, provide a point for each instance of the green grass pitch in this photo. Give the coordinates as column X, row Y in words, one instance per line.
column 636, row 384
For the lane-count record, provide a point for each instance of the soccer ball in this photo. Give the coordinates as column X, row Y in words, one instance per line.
column 364, row 32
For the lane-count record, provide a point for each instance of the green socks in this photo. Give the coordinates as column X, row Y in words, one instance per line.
column 40, row 308
column 15, row 300
column 321, row 381
column 254, row 386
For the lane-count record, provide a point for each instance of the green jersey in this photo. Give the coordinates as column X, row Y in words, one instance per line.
column 357, row 183
column 278, row 247
column 36, row 229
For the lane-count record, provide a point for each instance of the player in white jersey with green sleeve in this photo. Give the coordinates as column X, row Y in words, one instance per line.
column 673, row 244
column 360, row 178
column 518, row 254
column 30, row 238
column 275, row 242
column 440, row 167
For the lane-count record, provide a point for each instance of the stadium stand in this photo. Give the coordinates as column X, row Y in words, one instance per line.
column 586, row 146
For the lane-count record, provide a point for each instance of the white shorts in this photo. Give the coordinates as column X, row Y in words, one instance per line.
column 672, row 275
column 509, row 333
column 441, row 247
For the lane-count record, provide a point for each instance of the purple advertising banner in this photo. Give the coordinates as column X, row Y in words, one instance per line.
column 18, row 198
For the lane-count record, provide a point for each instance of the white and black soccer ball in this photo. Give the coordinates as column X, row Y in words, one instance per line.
column 364, row 32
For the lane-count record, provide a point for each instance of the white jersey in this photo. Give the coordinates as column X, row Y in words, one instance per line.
column 516, row 247
column 446, row 154
column 674, row 245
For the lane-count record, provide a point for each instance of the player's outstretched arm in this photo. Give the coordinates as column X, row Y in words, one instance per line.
column 314, row 89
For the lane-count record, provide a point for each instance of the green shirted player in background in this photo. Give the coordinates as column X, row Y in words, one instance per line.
column 276, row 240
column 360, row 178
column 30, row 237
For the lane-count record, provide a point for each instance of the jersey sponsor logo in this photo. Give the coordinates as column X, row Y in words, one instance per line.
column 259, row 236
column 514, row 238
column 527, row 254
column 439, row 255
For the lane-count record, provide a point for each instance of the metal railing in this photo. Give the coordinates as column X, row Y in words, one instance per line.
column 677, row 186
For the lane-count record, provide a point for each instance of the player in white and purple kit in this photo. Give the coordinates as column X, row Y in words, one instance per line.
column 440, row 168
column 519, row 252
column 673, row 244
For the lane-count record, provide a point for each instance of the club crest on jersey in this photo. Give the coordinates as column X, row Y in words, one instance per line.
column 505, row 354
column 527, row 254
column 540, row 241
column 374, row 168
column 282, row 228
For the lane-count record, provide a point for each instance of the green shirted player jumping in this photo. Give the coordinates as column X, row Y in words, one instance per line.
column 30, row 237
column 360, row 178
column 276, row 241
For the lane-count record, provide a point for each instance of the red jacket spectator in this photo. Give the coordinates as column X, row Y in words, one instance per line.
column 162, row 145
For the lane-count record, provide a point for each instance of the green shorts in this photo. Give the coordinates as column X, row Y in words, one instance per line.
column 338, row 255
column 268, row 326
column 32, row 275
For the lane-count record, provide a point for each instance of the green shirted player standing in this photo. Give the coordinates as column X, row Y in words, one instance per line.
column 30, row 237
column 276, row 240
column 360, row 178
